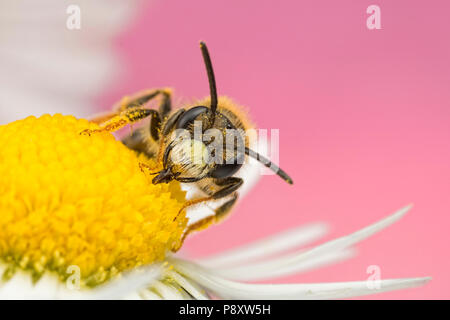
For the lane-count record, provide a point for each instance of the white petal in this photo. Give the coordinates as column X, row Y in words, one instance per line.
column 276, row 267
column 297, row 237
column 127, row 285
column 338, row 290
column 167, row 292
column 351, row 239
column 48, row 68
column 187, row 285
column 22, row 287
column 286, row 240
column 149, row 295
column 288, row 264
column 133, row 296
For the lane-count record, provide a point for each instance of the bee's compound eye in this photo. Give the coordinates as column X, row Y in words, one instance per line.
column 189, row 116
column 229, row 168
column 225, row 170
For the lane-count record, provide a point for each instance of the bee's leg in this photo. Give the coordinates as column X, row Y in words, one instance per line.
column 220, row 214
column 231, row 184
column 164, row 109
column 144, row 166
column 141, row 99
column 165, row 106
column 127, row 116
column 138, row 140
column 155, row 123
column 135, row 141
column 191, row 203
column 223, row 211
column 102, row 117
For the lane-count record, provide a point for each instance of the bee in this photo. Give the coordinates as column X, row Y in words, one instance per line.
column 181, row 156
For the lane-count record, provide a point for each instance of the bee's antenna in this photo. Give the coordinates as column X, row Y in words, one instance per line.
column 211, row 78
column 283, row 175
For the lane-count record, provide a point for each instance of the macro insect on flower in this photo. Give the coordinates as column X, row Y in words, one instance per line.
column 211, row 163
column 80, row 219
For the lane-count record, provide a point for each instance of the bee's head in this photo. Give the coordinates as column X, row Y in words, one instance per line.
column 189, row 160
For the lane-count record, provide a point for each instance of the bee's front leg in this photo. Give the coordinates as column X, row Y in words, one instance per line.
column 124, row 118
column 230, row 185
column 140, row 99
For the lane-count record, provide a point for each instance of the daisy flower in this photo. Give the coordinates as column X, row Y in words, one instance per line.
column 80, row 220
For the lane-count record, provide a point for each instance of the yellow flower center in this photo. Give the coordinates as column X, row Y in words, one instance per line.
column 72, row 200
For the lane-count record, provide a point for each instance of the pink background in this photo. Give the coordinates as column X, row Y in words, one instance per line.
column 364, row 118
